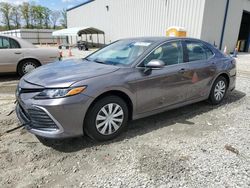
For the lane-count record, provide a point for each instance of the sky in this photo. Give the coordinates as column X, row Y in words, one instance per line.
column 52, row 4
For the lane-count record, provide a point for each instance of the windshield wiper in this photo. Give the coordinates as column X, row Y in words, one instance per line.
column 101, row 62
column 97, row 61
column 104, row 62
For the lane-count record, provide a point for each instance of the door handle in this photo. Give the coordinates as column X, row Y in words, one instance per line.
column 182, row 71
column 18, row 53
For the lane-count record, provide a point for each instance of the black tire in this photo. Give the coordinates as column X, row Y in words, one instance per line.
column 90, row 127
column 22, row 64
column 212, row 98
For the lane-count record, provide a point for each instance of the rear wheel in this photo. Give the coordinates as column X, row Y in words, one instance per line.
column 106, row 119
column 218, row 91
column 27, row 66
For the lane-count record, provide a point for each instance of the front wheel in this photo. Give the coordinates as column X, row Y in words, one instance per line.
column 106, row 119
column 218, row 91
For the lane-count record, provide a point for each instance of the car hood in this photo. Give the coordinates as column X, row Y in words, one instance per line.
column 65, row 73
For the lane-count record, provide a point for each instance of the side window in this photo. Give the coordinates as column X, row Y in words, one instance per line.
column 198, row 51
column 4, row 43
column 14, row 44
column 170, row 53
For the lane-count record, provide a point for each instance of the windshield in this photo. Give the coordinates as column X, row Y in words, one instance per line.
column 122, row 52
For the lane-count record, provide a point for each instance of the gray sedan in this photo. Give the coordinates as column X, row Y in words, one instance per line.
column 127, row 80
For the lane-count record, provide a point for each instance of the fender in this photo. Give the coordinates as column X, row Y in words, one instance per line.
column 217, row 75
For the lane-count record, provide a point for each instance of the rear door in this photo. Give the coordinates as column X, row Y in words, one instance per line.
column 201, row 66
column 10, row 53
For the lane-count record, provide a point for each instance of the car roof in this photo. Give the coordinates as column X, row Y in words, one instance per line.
column 153, row 39
column 162, row 39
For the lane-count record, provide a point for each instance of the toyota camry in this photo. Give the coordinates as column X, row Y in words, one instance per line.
column 126, row 80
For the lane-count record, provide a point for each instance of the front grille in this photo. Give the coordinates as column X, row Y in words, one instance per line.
column 40, row 119
column 25, row 117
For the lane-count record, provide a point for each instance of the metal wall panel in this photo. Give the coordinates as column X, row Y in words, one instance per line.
column 214, row 13
column 130, row 18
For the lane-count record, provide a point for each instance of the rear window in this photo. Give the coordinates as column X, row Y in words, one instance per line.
column 14, row 44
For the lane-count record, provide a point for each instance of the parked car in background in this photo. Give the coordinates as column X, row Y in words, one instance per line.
column 82, row 45
column 18, row 55
column 64, row 46
column 126, row 80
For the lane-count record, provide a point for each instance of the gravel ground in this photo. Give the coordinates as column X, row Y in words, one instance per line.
column 195, row 146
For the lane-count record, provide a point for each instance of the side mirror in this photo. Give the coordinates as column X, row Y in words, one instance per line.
column 153, row 64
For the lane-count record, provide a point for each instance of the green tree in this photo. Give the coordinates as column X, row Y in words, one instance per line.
column 2, row 28
column 39, row 13
column 25, row 10
column 33, row 15
column 16, row 16
column 37, row 16
column 47, row 13
column 30, row 15
column 5, row 9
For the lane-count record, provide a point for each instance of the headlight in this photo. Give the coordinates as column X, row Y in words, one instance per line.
column 59, row 93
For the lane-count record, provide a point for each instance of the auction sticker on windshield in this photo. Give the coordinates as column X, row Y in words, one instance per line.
column 142, row 44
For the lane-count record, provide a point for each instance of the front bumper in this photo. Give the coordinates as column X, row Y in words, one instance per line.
column 232, row 83
column 53, row 118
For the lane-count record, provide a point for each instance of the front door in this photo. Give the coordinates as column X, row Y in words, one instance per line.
column 164, row 87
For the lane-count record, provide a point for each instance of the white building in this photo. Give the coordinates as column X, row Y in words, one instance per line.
column 220, row 22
